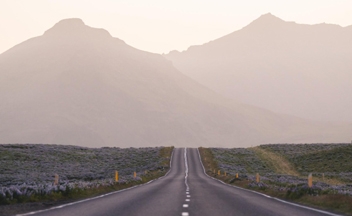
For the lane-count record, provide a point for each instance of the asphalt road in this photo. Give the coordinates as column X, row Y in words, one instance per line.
column 185, row 190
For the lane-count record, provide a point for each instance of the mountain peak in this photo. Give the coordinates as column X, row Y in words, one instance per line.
column 267, row 20
column 268, row 15
column 74, row 26
column 73, row 22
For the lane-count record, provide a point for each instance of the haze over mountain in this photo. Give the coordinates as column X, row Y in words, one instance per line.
column 78, row 85
column 301, row 70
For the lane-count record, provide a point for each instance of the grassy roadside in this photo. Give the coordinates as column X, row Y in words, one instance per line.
column 279, row 164
column 332, row 202
column 37, row 201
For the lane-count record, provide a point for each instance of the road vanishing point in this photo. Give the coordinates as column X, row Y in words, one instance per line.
column 184, row 190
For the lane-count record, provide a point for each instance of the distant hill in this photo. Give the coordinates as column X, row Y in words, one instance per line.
column 301, row 70
column 78, row 85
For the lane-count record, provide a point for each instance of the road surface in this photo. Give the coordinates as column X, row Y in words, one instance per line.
column 185, row 190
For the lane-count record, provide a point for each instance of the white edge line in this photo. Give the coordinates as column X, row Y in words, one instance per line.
column 267, row 196
column 100, row 196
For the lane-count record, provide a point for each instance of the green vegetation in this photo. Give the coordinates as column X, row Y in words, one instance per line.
column 278, row 163
column 240, row 160
column 26, row 171
column 284, row 169
column 332, row 160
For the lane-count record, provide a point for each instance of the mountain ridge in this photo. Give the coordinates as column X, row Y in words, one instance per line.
column 91, row 90
column 290, row 58
column 265, row 19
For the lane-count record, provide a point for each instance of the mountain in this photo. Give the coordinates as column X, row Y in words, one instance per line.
column 78, row 85
column 296, row 69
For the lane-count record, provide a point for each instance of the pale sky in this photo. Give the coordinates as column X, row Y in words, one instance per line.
column 159, row 25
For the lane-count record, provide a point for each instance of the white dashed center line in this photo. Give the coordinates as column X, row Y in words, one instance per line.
column 187, row 187
column 186, row 172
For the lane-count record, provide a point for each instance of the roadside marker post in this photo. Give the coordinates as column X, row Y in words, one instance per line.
column 257, row 178
column 56, row 181
column 310, row 180
column 134, row 174
column 219, row 172
column 116, row 176
column 236, row 175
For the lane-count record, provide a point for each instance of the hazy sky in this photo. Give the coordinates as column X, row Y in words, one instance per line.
column 160, row 25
